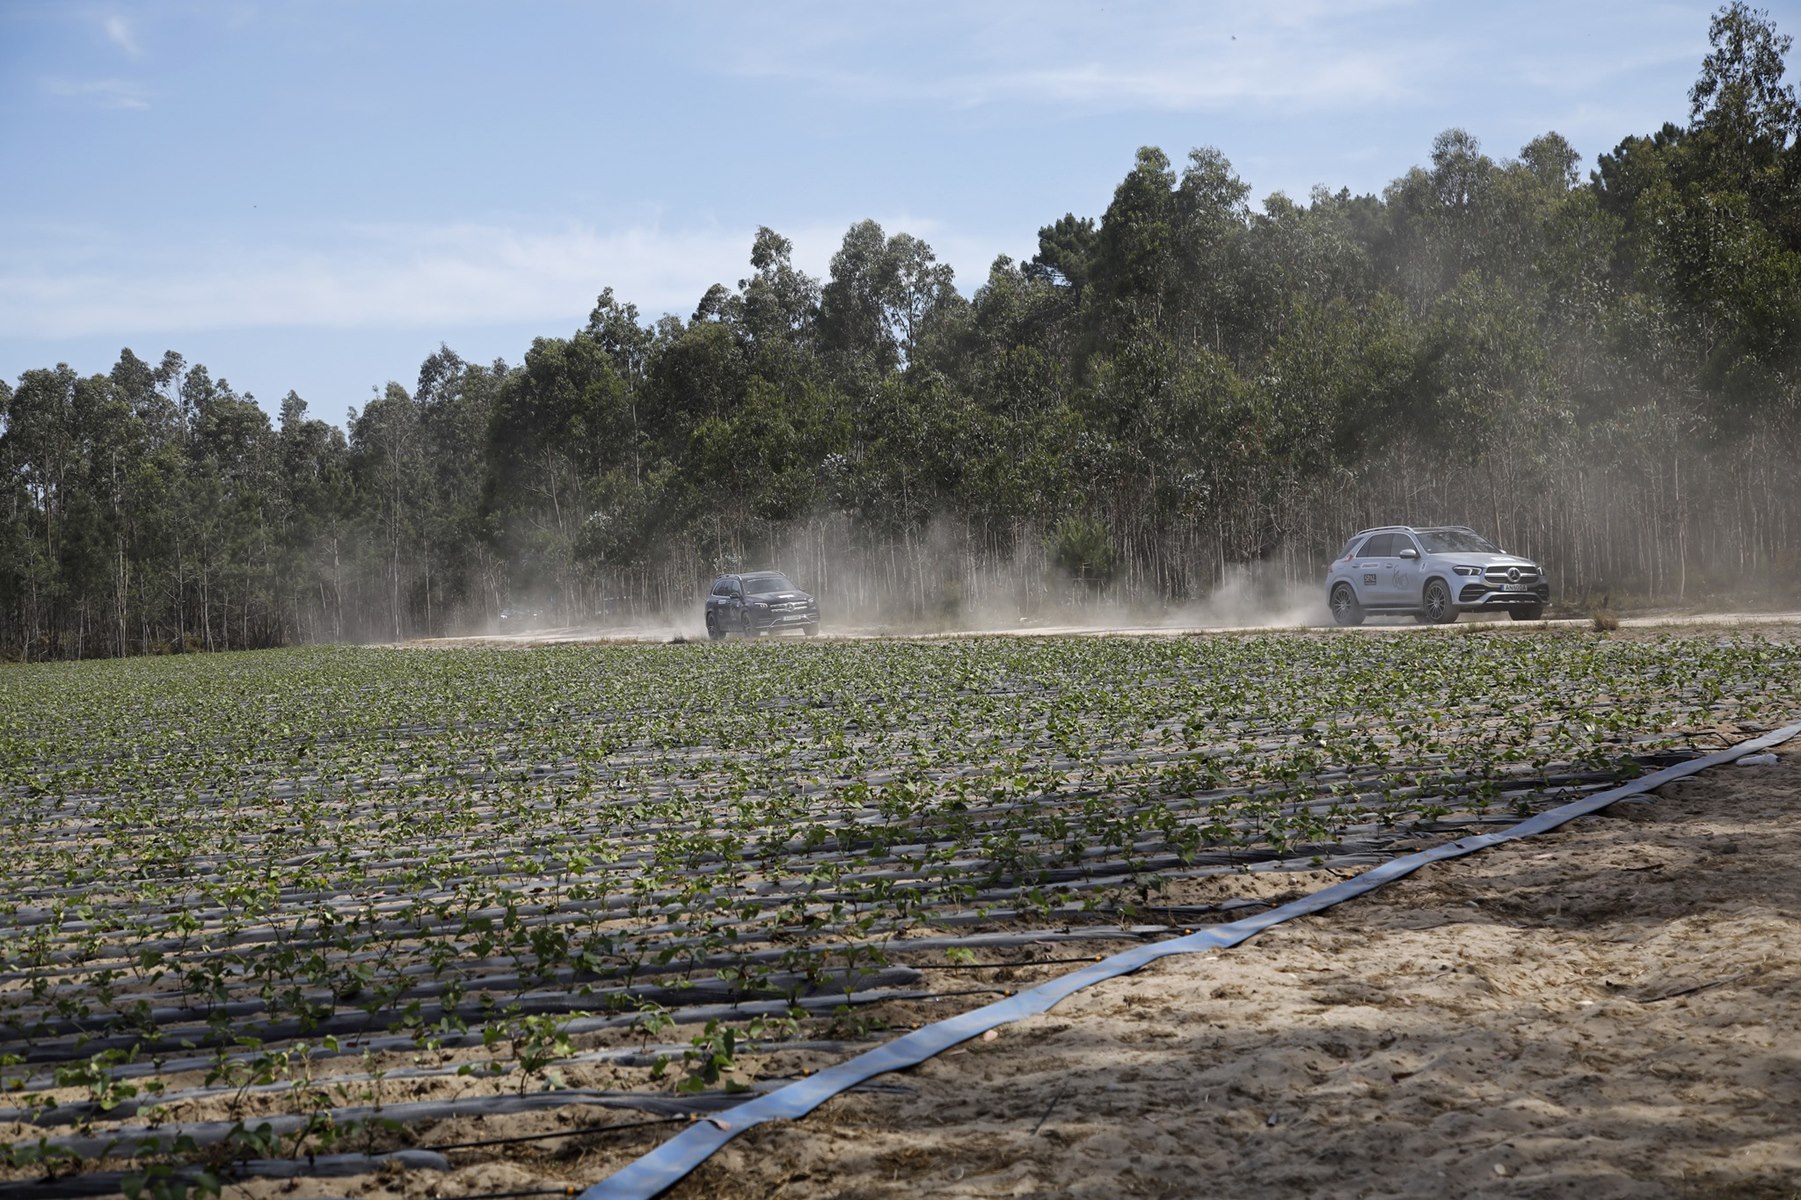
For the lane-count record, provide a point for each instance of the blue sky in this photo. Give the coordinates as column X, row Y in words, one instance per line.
column 312, row 196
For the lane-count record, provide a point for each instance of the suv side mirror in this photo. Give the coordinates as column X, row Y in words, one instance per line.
column 1410, row 552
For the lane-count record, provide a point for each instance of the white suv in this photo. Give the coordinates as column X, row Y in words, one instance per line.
column 1433, row 574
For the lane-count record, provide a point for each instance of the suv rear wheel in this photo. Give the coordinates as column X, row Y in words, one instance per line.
column 1345, row 609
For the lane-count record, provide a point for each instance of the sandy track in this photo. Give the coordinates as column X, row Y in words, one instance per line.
column 664, row 632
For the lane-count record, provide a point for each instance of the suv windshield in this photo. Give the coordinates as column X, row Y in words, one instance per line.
column 1456, row 541
column 763, row 585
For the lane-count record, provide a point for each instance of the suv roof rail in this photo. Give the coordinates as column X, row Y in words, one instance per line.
column 1409, row 529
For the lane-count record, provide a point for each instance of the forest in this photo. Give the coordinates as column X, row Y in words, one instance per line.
column 1186, row 389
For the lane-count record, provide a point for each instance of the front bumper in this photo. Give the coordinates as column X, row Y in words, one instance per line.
column 796, row 619
column 1487, row 595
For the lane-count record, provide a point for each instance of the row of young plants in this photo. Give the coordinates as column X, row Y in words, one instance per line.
column 215, row 860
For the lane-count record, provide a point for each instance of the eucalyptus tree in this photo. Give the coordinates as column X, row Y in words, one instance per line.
column 559, row 423
column 1747, row 118
column 1210, row 220
column 854, row 331
column 1012, row 362
column 315, row 505
column 616, row 327
column 94, row 565
column 1286, row 255
column 16, row 538
column 145, row 465
column 1745, row 137
column 1439, row 217
column 40, row 451
column 1135, row 250
column 155, row 514
column 388, row 463
column 211, row 465
column 1019, row 304
column 697, row 374
column 779, row 304
column 456, row 401
column 922, row 293
column 615, row 324
column 1710, row 224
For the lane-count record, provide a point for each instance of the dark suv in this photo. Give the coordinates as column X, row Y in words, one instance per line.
column 758, row 602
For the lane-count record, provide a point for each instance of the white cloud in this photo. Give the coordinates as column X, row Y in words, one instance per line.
column 404, row 277
column 119, row 33
column 101, row 93
column 1128, row 53
column 394, row 277
column 1252, row 78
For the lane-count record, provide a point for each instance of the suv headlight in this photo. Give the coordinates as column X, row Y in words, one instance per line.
column 1470, row 571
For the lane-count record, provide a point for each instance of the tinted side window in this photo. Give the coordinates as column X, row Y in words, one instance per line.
column 722, row 587
column 1381, row 545
column 1404, row 542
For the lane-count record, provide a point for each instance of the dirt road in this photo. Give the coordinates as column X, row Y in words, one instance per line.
column 665, row 631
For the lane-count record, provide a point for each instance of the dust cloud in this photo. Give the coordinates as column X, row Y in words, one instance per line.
column 921, row 591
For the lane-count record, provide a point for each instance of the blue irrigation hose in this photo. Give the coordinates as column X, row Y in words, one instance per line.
column 665, row 1166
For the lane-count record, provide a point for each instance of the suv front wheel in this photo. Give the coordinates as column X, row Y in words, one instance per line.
column 1436, row 603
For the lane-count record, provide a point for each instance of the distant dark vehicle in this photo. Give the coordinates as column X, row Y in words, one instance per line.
column 759, row 602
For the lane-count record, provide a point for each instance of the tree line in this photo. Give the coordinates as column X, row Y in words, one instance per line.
column 1601, row 372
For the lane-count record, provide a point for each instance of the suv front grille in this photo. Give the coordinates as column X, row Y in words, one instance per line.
column 1499, row 575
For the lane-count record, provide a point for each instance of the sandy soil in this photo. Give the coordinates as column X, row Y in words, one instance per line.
column 1610, row 1010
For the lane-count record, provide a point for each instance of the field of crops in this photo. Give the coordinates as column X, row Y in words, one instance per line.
column 262, row 905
